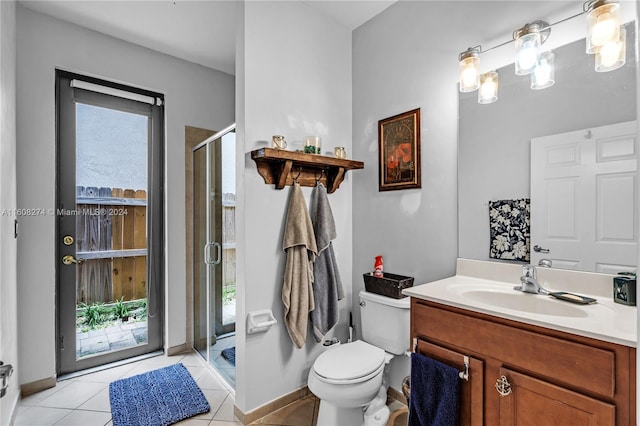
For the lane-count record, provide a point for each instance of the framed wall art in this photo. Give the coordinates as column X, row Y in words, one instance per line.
column 399, row 151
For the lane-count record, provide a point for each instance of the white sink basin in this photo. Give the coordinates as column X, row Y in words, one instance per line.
column 506, row 297
column 519, row 301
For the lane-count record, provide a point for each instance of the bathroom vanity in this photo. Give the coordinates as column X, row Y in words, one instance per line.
column 530, row 359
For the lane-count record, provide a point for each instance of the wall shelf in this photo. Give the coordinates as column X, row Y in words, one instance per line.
column 280, row 167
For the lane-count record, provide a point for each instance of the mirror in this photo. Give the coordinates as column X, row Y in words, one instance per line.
column 494, row 139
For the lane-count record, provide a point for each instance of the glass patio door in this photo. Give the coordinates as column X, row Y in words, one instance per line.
column 109, row 235
column 214, row 240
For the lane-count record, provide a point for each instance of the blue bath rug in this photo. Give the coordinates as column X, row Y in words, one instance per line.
column 230, row 354
column 159, row 397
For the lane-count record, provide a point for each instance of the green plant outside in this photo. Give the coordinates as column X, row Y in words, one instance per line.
column 99, row 315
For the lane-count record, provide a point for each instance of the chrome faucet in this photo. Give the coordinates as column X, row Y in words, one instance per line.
column 529, row 281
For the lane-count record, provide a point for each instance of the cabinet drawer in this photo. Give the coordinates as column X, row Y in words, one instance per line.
column 575, row 365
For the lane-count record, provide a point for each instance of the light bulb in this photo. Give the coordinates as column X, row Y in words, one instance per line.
column 526, row 49
column 604, row 30
column 488, row 92
column 468, row 69
column 603, row 24
column 543, row 75
column 612, row 55
column 528, row 54
column 469, row 75
column 609, row 53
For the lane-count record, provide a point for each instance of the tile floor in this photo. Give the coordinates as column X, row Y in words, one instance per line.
column 84, row 400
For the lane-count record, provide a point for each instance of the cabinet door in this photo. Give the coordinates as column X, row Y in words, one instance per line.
column 533, row 402
column 471, row 390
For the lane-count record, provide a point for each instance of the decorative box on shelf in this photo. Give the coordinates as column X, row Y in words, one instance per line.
column 390, row 285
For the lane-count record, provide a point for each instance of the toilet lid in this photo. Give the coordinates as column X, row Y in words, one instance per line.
column 349, row 361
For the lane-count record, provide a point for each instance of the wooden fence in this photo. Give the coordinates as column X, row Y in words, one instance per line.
column 111, row 242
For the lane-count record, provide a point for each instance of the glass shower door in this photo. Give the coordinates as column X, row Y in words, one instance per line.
column 214, row 242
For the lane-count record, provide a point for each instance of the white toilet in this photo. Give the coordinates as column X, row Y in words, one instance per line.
column 347, row 377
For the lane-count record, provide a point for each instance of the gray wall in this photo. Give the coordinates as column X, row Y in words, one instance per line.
column 194, row 95
column 398, row 67
column 494, row 139
column 8, row 245
column 293, row 72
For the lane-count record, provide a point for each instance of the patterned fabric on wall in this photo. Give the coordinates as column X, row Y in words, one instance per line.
column 510, row 227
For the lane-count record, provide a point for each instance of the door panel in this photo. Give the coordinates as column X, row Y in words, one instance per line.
column 583, row 194
column 531, row 400
column 109, row 234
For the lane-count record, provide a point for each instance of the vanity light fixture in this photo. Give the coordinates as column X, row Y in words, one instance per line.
column 606, row 38
column 469, row 69
column 543, row 74
column 613, row 54
column 603, row 23
column 488, row 92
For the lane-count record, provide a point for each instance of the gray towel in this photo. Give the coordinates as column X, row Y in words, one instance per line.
column 327, row 285
column 300, row 244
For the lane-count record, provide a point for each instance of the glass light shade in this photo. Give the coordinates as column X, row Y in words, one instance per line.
column 603, row 25
column 488, row 92
column 527, row 47
column 469, row 73
column 543, row 75
column 612, row 55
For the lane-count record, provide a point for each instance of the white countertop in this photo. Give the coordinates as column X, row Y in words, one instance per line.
column 604, row 320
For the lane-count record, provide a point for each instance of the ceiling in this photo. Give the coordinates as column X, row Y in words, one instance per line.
column 197, row 31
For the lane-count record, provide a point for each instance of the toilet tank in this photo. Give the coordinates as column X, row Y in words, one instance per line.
column 385, row 322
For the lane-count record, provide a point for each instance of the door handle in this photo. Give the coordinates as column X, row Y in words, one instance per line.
column 218, row 253
column 207, row 253
column 539, row 249
column 70, row 260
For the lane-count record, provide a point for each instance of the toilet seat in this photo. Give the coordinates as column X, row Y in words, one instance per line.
column 349, row 363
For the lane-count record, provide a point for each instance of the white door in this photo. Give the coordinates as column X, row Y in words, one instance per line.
column 583, row 198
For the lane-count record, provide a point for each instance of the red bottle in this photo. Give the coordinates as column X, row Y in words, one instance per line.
column 377, row 267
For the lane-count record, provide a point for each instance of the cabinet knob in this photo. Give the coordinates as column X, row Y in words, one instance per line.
column 503, row 386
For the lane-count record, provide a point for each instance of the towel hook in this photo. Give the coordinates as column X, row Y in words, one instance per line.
column 318, row 179
column 295, row 179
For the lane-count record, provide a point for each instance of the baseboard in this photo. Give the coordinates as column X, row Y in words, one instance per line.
column 270, row 407
column 179, row 349
column 27, row 389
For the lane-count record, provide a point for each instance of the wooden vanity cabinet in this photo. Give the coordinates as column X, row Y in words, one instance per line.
column 550, row 377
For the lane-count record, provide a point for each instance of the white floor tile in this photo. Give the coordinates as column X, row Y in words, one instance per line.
column 215, row 398
column 225, row 412
column 85, row 418
column 73, row 395
column 36, row 398
column 100, row 402
column 39, row 416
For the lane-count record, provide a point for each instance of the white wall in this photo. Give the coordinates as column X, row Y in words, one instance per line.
column 293, row 71
column 404, row 59
column 194, row 95
column 8, row 245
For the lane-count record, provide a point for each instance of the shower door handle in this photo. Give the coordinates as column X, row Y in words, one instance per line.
column 218, row 252
column 207, row 253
